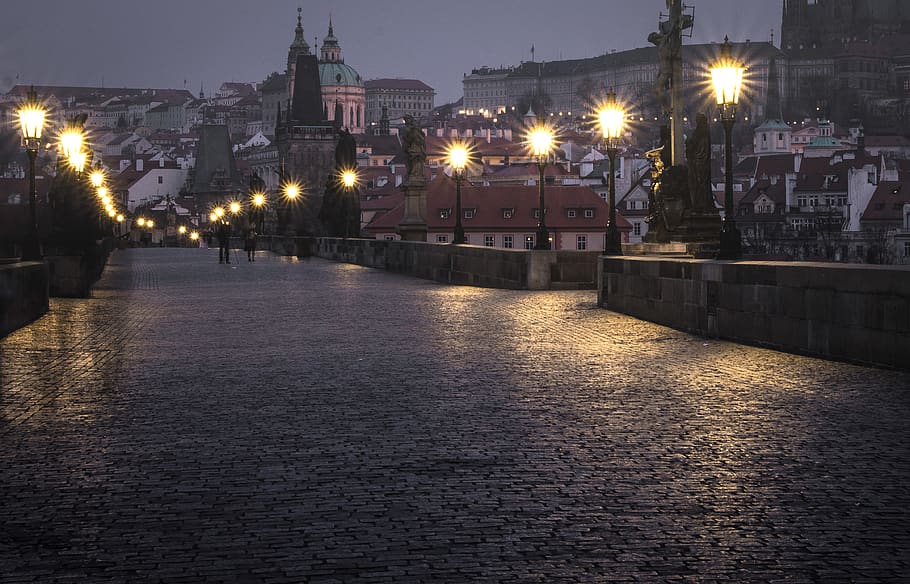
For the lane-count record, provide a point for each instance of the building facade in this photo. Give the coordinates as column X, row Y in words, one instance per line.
column 400, row 97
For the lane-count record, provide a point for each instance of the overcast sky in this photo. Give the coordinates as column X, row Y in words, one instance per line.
column 163, row 43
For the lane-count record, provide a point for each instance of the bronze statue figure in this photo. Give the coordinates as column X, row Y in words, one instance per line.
column 415, row 148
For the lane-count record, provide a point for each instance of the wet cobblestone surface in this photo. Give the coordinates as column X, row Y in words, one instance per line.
column 287, row 421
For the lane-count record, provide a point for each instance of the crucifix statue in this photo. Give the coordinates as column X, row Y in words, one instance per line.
column 668, row 88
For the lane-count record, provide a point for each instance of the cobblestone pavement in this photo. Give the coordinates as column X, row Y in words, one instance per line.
column 287, row 421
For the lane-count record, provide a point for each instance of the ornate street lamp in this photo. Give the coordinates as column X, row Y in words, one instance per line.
column 71, row 139
column 348, row 178
column 541, row 140
column 727, row 75
column 258, row 200
column 458, row 158
column 291, row 191
column 611, row 121
column 31, row 120
column 234, row 207
column 97, row 178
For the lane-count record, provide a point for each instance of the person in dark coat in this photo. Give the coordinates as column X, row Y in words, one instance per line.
column 224, row 242
column 249, row 244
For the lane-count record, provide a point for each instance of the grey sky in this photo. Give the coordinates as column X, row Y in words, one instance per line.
column 163, row 43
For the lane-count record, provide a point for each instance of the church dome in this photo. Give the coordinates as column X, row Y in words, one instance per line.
column 339, row 74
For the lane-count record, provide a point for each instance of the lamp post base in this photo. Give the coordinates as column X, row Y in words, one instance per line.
column 612, row 243
column 731, row 246
column 543, row 241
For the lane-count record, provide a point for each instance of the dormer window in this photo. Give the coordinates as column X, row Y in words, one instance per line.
column 445, row 213
column 469, row 213
column 507, row 213
column 572, row 213
column 589, row 213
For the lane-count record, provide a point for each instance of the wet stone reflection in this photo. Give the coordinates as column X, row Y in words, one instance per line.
column 305, row 421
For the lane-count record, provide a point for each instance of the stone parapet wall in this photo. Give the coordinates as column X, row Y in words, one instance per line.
column 468, row 264
column 849, row 312
column 23, row 294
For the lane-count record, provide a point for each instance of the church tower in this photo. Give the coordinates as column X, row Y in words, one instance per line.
column 297, row 48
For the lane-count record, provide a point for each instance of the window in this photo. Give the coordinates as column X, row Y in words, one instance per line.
column 537, row 213
column 636, row 228
column 160, row 180
column 907, row 249
column 529, row 242
column 507, row 241
column 469, row 213
column 572, row 213
column 467, row 238
column 444, row 213
column 489, row 240
column 442, row 239
column 390, row 238
column 860, row 251
column 507, row 213
column 581, row 242
column 589, row 213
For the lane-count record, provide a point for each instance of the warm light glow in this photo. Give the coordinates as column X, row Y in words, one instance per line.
column 120, row 217
column 219, row 212
column 611, row 117
column 71, row 142
column 234, row 207
column 31, row 119
column 181, row 230
column 213, row 217
column 78, row 160
column 109, row 208
column 458, row 157
column 103, row 192
column 194, row 235
column 111, row 213
column 97, row 178
column 541, row 140
column 349, row 178
column 291, row 191
column 105, row 200
column 258, row 199
column 149, row 223
column 140, row 221
column 727, row 76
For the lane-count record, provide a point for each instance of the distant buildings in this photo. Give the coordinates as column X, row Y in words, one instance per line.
column 397, row 98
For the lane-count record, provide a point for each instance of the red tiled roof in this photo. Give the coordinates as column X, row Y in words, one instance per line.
column 888, row 201
column 490, row 202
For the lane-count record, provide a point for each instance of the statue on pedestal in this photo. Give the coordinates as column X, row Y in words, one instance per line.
column 415, row 148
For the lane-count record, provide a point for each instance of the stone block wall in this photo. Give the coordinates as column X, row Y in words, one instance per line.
column 471, row 265
column 23, row 294
column 851, row 312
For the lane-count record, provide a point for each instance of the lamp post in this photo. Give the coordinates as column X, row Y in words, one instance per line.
column 458, row 158
column 611, row 120
column 257, row 199
column 31, row 120
column 348, row 181
column 541, row 139
column 727, row 75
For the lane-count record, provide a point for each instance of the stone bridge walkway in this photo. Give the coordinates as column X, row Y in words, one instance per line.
column 289, row 421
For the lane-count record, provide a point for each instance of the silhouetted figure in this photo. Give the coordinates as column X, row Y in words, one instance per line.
column 224, row 242
column 249, row 244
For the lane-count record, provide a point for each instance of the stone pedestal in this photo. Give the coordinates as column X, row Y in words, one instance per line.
column 413, row 226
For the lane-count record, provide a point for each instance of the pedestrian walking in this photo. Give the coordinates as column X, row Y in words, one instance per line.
column 224, row 242
column 249, row 244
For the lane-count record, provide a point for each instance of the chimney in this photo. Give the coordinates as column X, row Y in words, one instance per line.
column 489, row 135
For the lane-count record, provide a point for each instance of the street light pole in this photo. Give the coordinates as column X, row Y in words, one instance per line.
column 458, row 158
column 611, row 122
column 31, row 119
column 541, row 139
column 727, row 76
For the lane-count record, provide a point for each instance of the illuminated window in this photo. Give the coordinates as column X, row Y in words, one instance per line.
column 444, row 213
column 529, row 242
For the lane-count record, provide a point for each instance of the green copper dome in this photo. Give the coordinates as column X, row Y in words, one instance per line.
column 338, row 74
